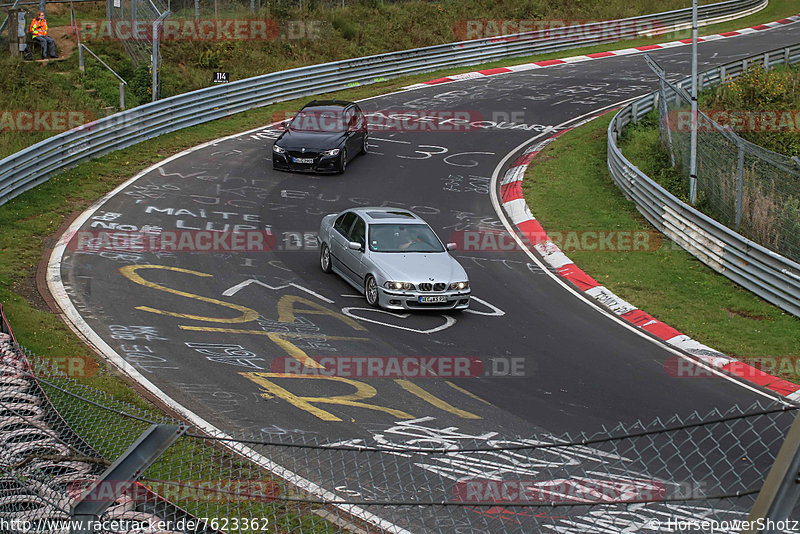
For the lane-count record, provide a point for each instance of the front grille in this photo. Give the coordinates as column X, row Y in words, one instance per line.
column 438, row 286
column 425, row 286
column 307, row 154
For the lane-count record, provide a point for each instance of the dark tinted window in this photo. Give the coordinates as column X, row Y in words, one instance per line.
column 344, row 222
column 389, row 214
column 359, row 233
column 403, row 238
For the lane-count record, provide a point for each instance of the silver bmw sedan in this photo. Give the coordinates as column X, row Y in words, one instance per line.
column 394, row 258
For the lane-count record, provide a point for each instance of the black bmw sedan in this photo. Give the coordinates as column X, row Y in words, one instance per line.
column 323, row 137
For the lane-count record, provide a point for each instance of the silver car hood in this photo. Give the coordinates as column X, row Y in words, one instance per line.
column 419, row 267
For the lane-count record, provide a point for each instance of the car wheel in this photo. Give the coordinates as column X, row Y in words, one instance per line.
column 343, row 163
column 325, row 258
column 371, row 291
column 364, row 145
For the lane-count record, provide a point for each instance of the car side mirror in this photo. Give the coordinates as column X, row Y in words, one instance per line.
column 452, row 246
column 354, row 245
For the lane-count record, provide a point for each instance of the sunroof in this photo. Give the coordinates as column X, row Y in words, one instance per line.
column 390, row 214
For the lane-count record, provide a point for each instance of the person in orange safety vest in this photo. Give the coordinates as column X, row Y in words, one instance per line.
column 39, row 32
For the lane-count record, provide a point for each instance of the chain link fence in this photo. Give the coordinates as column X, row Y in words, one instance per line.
column 138, row 25
column 740, row 184
column 669, row 475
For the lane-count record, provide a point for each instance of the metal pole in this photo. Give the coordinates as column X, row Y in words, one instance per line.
column 154, row 65
column 739, row 185
column 134, row 19
column 122, row 96
column 197, row 10
column 80, row 58
column 693, row 150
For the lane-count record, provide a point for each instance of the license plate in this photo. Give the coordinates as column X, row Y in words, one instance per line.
column 303, row 160
column 429, row 300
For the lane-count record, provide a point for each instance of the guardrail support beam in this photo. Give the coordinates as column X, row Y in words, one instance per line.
column 123, row 473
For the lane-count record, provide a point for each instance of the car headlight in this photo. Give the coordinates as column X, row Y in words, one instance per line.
column 398, row 285
column 459, row 285
column 333, row 152
column 279, row 150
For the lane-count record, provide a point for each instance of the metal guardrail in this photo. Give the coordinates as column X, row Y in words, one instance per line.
column 36, row 164
column 769, row 275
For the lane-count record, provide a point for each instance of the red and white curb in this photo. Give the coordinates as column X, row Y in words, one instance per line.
column 535, row 236
column 600, row 55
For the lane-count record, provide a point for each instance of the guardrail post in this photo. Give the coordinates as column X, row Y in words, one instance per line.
column 739, row 184
column 197, row 10
column 123, row 473
column 722, row 74
column 781, row 489
column 766, row 61
column 635, row 111
column 80, row 58
column 122, row 96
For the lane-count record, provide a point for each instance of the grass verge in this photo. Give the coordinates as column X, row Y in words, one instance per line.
column 568, row 188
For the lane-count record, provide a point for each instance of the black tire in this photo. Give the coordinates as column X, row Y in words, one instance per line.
column 364, row 144
column 343, row 161
column 371, row 291
column 325, row 258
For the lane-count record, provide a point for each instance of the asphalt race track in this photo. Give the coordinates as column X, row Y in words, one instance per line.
column 205, row 327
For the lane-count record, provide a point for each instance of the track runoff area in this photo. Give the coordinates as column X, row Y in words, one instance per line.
column 214, row 326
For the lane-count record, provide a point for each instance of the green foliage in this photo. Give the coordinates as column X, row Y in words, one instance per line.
column 641, row 143
column 209, row 59
column 776, row 91
column 346, row 27
column 141, row 83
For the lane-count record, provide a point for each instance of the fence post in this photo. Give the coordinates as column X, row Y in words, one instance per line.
column 766, row 61
column 739, row 184
column 122, row 96
column 781, row 489
column 197, row 10
column 81, row 65
column 663, row 112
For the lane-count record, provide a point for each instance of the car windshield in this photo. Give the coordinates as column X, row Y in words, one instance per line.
column 403, row 238
column 319, row 120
